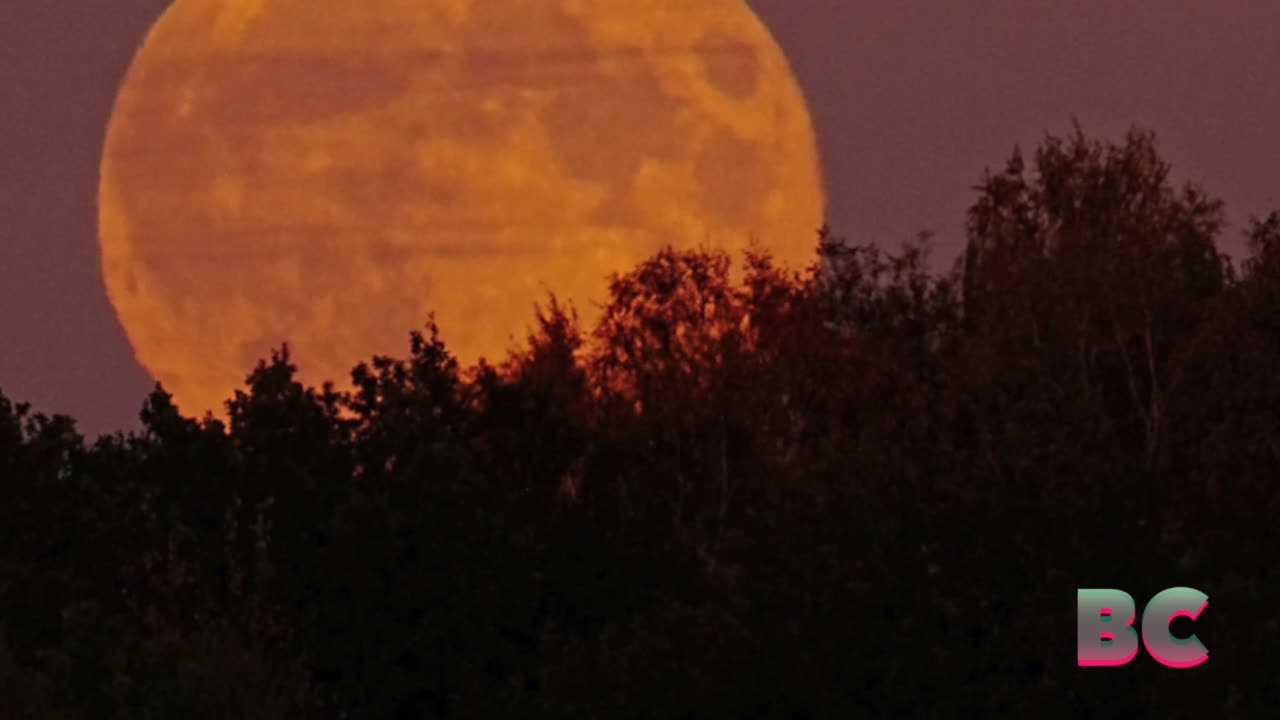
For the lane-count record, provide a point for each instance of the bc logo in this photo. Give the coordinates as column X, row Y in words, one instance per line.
column 1105, row 636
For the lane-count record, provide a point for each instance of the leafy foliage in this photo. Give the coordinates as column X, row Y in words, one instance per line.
column 860, row 490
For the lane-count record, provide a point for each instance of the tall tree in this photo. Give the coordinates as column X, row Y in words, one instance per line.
column 1094, row 271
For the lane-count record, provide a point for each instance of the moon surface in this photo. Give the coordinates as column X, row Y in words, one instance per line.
column 278, row 171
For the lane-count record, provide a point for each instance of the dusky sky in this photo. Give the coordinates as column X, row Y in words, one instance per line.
column 911, row 99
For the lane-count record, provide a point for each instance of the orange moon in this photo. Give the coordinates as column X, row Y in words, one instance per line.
column 277, row 171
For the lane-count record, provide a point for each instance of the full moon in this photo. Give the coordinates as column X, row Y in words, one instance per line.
column 277, row 171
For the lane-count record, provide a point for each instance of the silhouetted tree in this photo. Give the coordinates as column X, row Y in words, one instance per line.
column 854, row 489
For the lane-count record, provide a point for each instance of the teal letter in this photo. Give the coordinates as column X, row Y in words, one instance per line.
column 1104, row 628
column 1161, row 611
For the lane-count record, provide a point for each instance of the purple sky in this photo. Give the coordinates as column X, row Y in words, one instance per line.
column 912, row 100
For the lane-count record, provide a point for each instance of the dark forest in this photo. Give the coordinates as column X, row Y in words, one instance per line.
column 867, row 489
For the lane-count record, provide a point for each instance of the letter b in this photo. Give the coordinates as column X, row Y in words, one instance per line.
column 1105, row 636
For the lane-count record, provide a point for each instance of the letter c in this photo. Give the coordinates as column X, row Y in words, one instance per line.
column 1161, row 611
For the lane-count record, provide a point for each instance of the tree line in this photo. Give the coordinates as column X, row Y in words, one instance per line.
column 861, row 489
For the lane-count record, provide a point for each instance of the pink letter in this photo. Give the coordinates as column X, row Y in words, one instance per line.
column 1104, row 628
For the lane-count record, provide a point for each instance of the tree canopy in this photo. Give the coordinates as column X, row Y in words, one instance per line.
column 863, row 489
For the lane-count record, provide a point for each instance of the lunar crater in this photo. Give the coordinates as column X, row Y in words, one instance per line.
column 731, row 66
